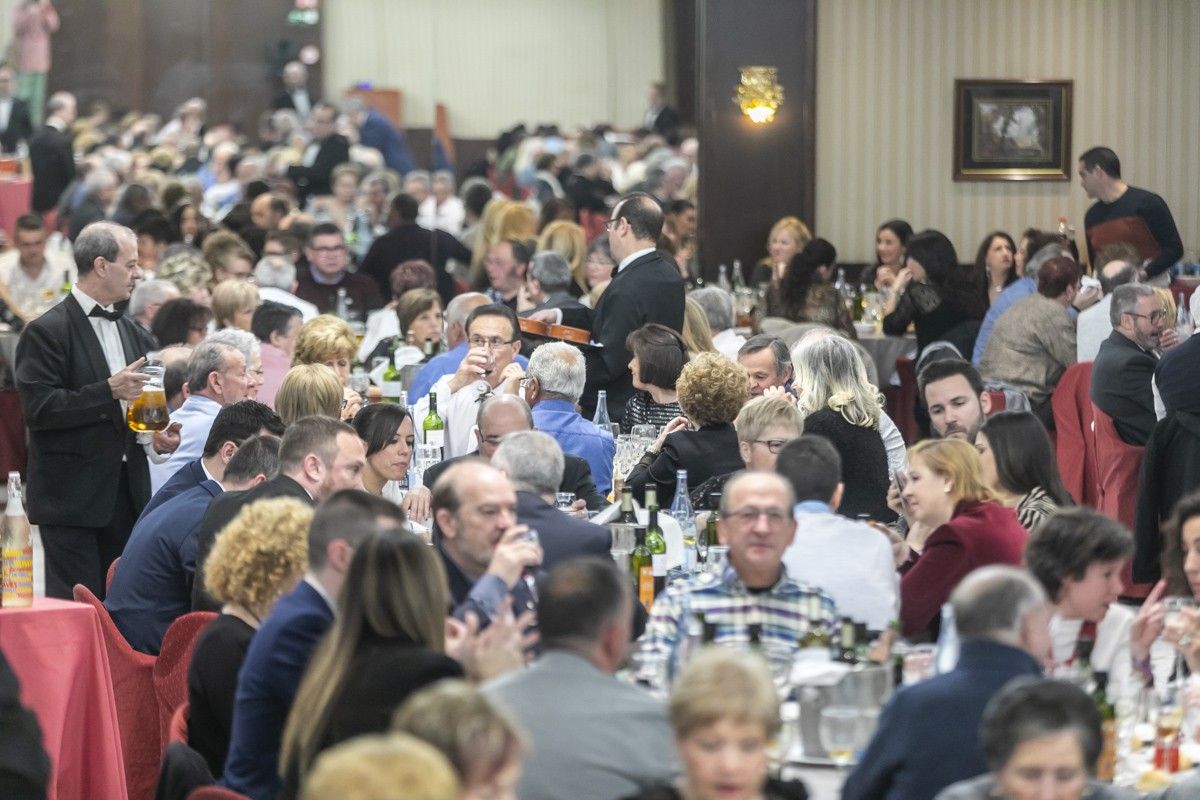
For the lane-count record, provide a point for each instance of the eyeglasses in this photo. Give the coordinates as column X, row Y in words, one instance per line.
column 335, row 249
column 746, row 517
column 609, row 224
column 524, row 383
column 1155, row 317
column 491, row 344
column 774, row 445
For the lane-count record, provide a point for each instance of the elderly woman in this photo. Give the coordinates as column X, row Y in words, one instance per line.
column 659, row 354
column 840, row 403
column 330, row 341
column 1042, row 739
column 481, row 742
column 309, row 390
column 256, row 559
column 387, row 431
column 955, row 526
column 419, row 319
column 712, row 390
column 764, row 426
column 725, row 713
column 233, row 304
column 1019, row 464
column 787, row 238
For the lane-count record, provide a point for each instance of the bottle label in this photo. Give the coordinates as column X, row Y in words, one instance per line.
column 435, row 438
column 17, row 576
column 658, row 562
column 646, row 587
column 392, row 388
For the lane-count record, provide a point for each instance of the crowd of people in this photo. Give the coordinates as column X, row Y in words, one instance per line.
column 461, row 630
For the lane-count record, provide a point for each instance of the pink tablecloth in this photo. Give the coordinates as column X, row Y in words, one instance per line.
column 15, row 199
column 57, row 651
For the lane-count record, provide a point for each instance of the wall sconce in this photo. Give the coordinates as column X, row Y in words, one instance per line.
column 759, row 94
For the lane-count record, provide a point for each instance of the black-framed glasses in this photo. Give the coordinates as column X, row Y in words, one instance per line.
column 491, row 344
column 609, row 224
column 1155, row 317
column 774, row 445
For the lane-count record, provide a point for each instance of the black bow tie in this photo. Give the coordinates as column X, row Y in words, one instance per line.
column 114, row 315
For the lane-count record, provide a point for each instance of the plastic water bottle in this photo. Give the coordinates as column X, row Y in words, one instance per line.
column 681, row 511
column 601, row 418
column 1183, row 319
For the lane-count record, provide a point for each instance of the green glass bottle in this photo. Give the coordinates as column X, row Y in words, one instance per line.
column 393, row 387
column 433, row 428
column 641, row 566
column 656, row 543
column 628, row 515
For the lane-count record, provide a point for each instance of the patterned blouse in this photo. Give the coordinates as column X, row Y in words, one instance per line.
column 641, row 410
column 1035, row 507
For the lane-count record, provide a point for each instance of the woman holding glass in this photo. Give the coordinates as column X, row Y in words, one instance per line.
column 387, row 431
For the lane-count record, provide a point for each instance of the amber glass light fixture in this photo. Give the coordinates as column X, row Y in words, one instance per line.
column 759, row 94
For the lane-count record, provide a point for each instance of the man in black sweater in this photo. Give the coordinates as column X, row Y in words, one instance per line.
column 407, row 241
column 1124, row 213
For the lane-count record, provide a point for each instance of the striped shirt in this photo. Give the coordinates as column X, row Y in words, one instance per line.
column 783, row 615
column 641, row 410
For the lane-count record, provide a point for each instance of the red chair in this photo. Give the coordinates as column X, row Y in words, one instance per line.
column 112, row 570
column 1118, row 472
column 215, row 793
column 178, row 731
column 137, row 710
column 903, row 405
column 171, row 668
column 593, row 223
column 1075, row 444
column 999, row 401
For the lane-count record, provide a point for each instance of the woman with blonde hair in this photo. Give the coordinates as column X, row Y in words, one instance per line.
column 712, row 390
column 328, row 340
column 568, row 240
column 481, row 742
column 233, row 304
column 787, row 238
column 309, row 390
column 697, row 333
column 256, row 559
column 382, row 767
column 502, row 219
column 840, row 403
column 955, row 526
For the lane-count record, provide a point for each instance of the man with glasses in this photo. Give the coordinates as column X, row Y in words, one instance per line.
column 752, row 598
column 1124, row 367
column 327, row 272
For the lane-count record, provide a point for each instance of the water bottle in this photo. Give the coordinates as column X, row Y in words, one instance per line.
column 945, row 655
column 1183, row 319
column 601, row 418
column 682, row 513
column 342, row 306
column 723, row 279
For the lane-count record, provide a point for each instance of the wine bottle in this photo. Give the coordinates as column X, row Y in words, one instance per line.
column 628, row 514
column 429, row 350
column 1106, row 765
column 65, row 289
column 16, row 567
column 657, row 544
column 392, row 385
column 847, row 642
column 433, row 427
column 641, row 565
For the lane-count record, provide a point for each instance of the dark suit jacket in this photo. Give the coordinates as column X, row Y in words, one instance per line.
column 360, row 291
column 562, row 536
column 577, row 478
column 24, row 765
column 284, row 100
column 267, row 683
column 20, row 126
column 221, row 512
column 1121, row 376
column 648, row 290
column 52, row 159
column 152, row 586
column 557, row 300
column 928, row 734
column 314, row 180
column 1170, row 469
column 77, row 432
column 666, row 122
column 409, row 241
column 1178, row 376
column 189, row 476
column 710, row 451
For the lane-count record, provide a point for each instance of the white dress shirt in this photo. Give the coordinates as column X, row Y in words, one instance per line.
column 196, row 417
column 458, row 411
column 106, row 332
column 35, row 295
column 6, row 105
column 1092, row 327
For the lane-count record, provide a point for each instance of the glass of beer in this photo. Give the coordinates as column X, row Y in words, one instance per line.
column 148, row 414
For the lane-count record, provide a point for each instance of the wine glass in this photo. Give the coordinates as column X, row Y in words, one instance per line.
column 1173, row 621
column 839, row 732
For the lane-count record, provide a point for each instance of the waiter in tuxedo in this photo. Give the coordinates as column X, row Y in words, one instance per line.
column 15, row 124
column 76, row 370
column 327, row 150
column 645, row 288
column 51, row 154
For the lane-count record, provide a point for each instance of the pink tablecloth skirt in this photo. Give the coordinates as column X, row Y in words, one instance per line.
column 57, row 651
column 15, row 198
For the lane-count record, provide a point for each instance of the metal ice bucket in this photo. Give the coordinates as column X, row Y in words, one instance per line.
column 865, row 687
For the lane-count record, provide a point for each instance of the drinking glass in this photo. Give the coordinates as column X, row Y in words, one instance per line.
column 530, row 535
column 718, row 554
column 564, row 500
column 645, row 432
column 839, row 732
column 1173, row 621
column 360, row 382
column 918, row 664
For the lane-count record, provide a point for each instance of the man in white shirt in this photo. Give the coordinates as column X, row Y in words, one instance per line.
column 33, row 273
column 850, row 560
column 1116, row 266
column 493, row 341
column 442, row 208
column 276, row 278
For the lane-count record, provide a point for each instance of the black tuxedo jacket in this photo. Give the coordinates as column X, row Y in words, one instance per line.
column 221, row 511
column 648, row 290
column 77, row 431
column 314, row 180
column 577, row 478
column 52, row 159
column 20, row 126
column 1121, row 376
column 284, row 100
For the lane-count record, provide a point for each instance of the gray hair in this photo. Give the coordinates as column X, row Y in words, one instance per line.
column 560, row 369
column 457, row 311
column 445, row 176
column 419, row 176
column 58, row 101
column 208, row 357
column 100, row 178
column 779, row 349
column 551, row 270
column 1042, row 256
column 275, row 271
column 717, row 305
column 992, row 602
column 99, row 240
column 1125, row 299
column 149, row 292
column 830, row 373
column 532, row 460
column 244, row 342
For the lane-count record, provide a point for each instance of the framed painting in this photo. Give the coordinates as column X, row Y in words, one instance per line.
column 1012, row 130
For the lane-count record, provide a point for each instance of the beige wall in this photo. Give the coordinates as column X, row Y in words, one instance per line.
column 885, row 83
column 497, row 62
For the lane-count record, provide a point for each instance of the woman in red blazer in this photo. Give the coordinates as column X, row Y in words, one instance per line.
column 955, row 526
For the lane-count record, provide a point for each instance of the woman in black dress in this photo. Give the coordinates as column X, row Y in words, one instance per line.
column 658, row 356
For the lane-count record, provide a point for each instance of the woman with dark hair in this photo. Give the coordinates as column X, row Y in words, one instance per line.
column 597, row 270
column 387, row 431
column 187, row 225
column 934, row 293
column 1019, row 464
column 995, row 261
column 659, row 354
column 804, row 294
column 388, row 641
column 180, row 322
column 1181, row 578
column 418, row 316
column 890, row 240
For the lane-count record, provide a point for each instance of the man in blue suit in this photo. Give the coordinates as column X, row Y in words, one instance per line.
column 928, row 734
column 152, row 585
column 280, row 651
column 375, row 130
column 233, row 425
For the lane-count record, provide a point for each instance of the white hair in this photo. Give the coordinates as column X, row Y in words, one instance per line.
column 150, row 292
column 830, row 373
column 717, row 305
column 532, row 460
column 275, row 271
column 559, row 368
column 244, row 342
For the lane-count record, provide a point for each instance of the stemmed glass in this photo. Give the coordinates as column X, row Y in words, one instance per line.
column 1173, row 621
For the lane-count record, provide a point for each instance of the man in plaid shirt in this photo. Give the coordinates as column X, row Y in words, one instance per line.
column 753, row 601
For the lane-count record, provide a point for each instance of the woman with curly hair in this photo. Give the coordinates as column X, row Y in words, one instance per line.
column 258, row 557
column 328, row 340
column 712, row 390
column 839, row 403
